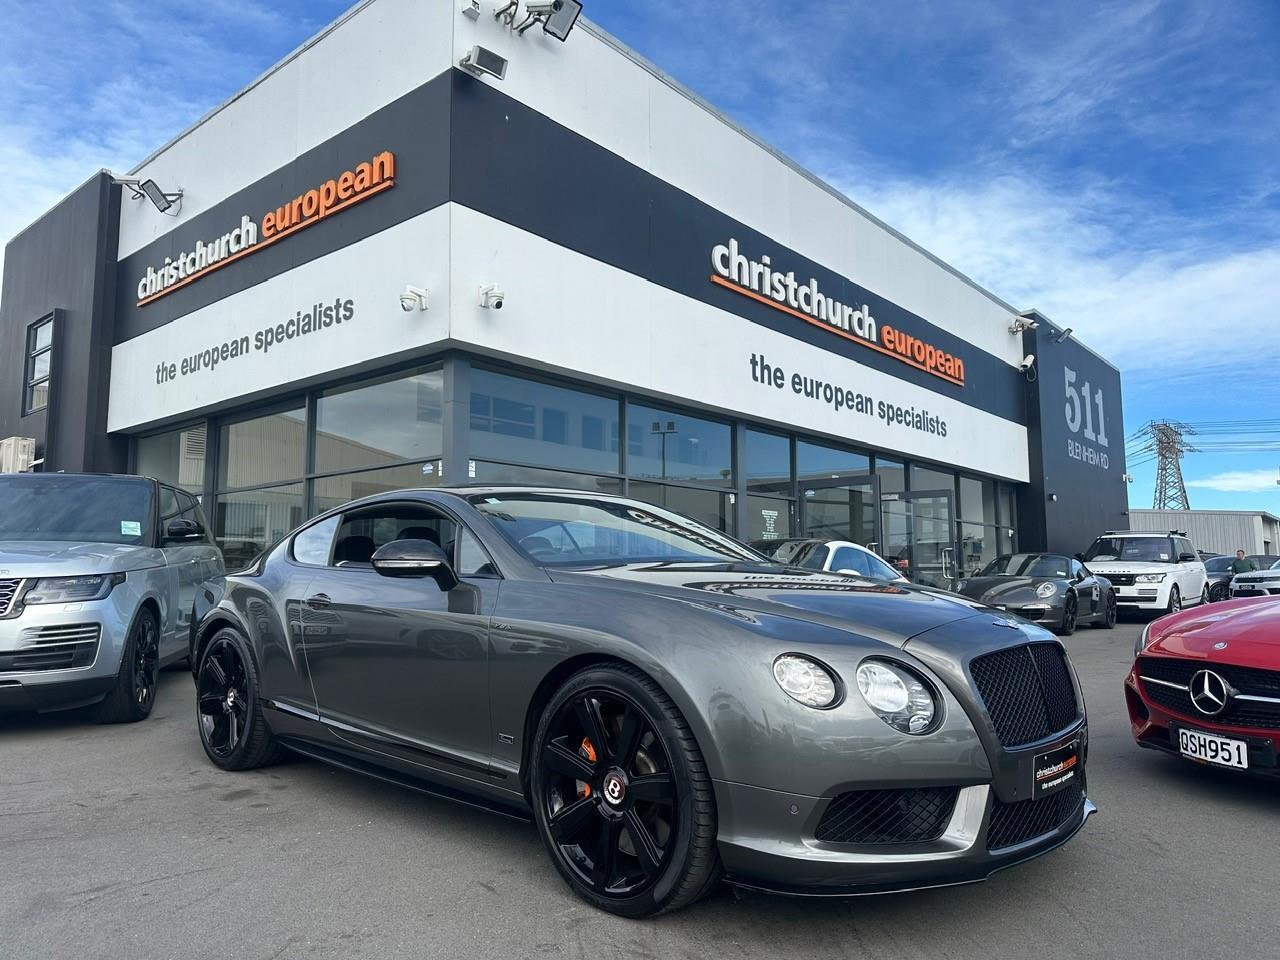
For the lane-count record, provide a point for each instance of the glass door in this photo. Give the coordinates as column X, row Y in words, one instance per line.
column 919, row 536
column 841, row 508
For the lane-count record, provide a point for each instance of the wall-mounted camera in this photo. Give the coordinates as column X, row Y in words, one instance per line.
column 492, row 297
column 1028, row 367
column 481, row 60
column 415, row 298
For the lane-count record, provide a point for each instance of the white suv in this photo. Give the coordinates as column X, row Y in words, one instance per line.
column 1150, row 571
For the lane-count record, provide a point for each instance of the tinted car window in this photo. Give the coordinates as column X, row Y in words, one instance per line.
column 89, row 509
column 1077, row 571
column 168, row 503
column 1026, row 565
column 1218, row 564
column 815, row 558
column 191, row 510
column 473, row 559
column 363, row 531
column 313, row 544
column 847, row 558
column 879, row 570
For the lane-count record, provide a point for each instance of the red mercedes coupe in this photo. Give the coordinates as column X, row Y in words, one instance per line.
column 1205, row 685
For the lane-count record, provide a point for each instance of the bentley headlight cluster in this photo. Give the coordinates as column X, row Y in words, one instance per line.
column 1046, row 590
column 1149, row 578
column 72, row 589
column 898, row 696
column 806, row 681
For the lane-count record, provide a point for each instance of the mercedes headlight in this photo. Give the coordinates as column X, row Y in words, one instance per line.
column 806, row 681
column 899, row 697
column 1149, row 578
column 1046, row 590
column 72, row 589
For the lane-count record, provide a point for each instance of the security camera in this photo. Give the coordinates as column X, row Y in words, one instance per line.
column 481, row 60
column 1027, row 363
column 414, row 298
column 491, row 297
column 538, row 8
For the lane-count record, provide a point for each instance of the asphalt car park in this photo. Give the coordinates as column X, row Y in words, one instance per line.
column 125, row 841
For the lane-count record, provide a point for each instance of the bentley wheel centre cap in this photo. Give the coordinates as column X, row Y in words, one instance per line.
column 615, row 787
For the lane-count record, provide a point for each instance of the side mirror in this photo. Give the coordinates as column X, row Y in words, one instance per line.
column 409, row 559
column 182, row 531
column 1187, row 558
column 850, row 573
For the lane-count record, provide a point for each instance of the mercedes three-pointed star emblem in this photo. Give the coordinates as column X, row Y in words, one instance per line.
column 1210, row 694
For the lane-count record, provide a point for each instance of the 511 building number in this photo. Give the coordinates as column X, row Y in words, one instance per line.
column 1085, row 409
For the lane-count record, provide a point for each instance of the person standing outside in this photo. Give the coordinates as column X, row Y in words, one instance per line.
column 1242, row 564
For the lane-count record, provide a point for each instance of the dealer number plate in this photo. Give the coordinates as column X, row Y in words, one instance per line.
column 1209, row 748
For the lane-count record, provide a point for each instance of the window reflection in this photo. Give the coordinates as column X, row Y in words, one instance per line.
column 665, row 445
column 248, row 522
column 263, row 450
column 176, row 457
column 384, row 422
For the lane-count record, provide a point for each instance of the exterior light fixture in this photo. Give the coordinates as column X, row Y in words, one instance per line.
column 1062, row 336
column 481, row 60
column 162, row 200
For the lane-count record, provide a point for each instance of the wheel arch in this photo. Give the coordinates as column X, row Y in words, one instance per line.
column 561, row 672
column 214, row 621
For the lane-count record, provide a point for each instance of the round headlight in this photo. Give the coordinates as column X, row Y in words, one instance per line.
column 1046, row 590
column 805, row 681
column 900, row 698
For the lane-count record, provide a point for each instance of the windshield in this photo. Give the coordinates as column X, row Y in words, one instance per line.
column 1142, row 549
column 1027, row 565
column 75, row 509
column 556, row 529
column 1218, row 564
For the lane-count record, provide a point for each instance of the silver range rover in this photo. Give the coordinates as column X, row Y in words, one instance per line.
column 98, row 580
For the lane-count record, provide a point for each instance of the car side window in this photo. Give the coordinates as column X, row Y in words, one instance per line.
column 191, row 510
column 1077, row 570
column 847, row 558
column 363, row 531
column 312, row 546
column 877, row 569
column 169, row 507
column 473, row 560
column 815, row 559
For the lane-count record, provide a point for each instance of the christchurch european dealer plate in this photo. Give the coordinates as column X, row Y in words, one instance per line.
column 1211, row 748
column 1055, row 770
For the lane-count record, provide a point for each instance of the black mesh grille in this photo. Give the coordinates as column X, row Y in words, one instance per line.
column 888, row 816
column 1246, row 680
column 1014, row 823
column 1122, row 579
column 1027, row 691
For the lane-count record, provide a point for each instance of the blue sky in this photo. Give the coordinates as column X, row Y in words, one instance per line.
column 1116, row 165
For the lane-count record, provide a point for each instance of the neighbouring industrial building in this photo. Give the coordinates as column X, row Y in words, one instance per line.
column 389, row 268
column 1216, row 531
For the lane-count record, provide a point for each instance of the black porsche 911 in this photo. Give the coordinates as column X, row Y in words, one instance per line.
column 667, row 705
column 1054, row 591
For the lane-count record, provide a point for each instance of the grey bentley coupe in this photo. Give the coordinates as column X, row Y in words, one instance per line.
column 669, row 707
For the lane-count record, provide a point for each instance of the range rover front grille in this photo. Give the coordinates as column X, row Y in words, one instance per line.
column 59, row 647
column 916, row 815
column 1027, row 690
column 1014, row 823
column 1156, row 673
column 8, row 593
column 1122, row 579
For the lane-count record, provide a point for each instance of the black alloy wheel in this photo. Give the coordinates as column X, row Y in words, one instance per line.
column 1113, row 613
column 1219, row 592
column 134, row 693
column 1069, row 608
column 622, row 796
column 233, row 731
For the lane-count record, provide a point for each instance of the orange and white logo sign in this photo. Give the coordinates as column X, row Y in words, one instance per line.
column 332, row 196
column 759, row 280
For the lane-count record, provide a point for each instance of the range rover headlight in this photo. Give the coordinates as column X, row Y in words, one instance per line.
column 1149, row 578
column 899, row 697
column 1046, row 590
column 72, row 589
column 806, row 681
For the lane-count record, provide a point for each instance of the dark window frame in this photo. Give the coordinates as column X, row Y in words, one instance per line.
column 32, row 353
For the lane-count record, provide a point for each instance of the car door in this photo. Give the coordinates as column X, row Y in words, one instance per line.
column 402, row 665
column 1088, row 590
column 186, row 557
column 1192, row 577
column 172, row 620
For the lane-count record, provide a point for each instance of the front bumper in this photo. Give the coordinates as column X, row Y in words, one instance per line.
column 1144, row 596
column 768, row 839
column 62, row 655
column 1155, row 727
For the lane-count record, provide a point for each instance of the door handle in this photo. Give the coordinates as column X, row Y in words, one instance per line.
column 319, row 601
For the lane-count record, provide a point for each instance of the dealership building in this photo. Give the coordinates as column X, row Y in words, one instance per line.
column 428, row 249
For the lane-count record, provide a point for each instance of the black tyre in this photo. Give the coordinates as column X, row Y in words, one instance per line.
column 134, row 693
column 1069, row 608
column 1219, row 592
column 233, row 732
column 621, row 794
column 1175, row 601
column 1110, row 615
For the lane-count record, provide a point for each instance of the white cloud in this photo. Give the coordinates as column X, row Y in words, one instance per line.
column 1239, row 481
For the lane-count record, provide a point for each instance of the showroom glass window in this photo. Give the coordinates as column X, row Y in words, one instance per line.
column 770, row 507
column 814, row 461
column 176, row 457
column 981, row 539
column 392, row 420
column 35, row 392
column 261, row 495
column 666, row 445
column 515, row 420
